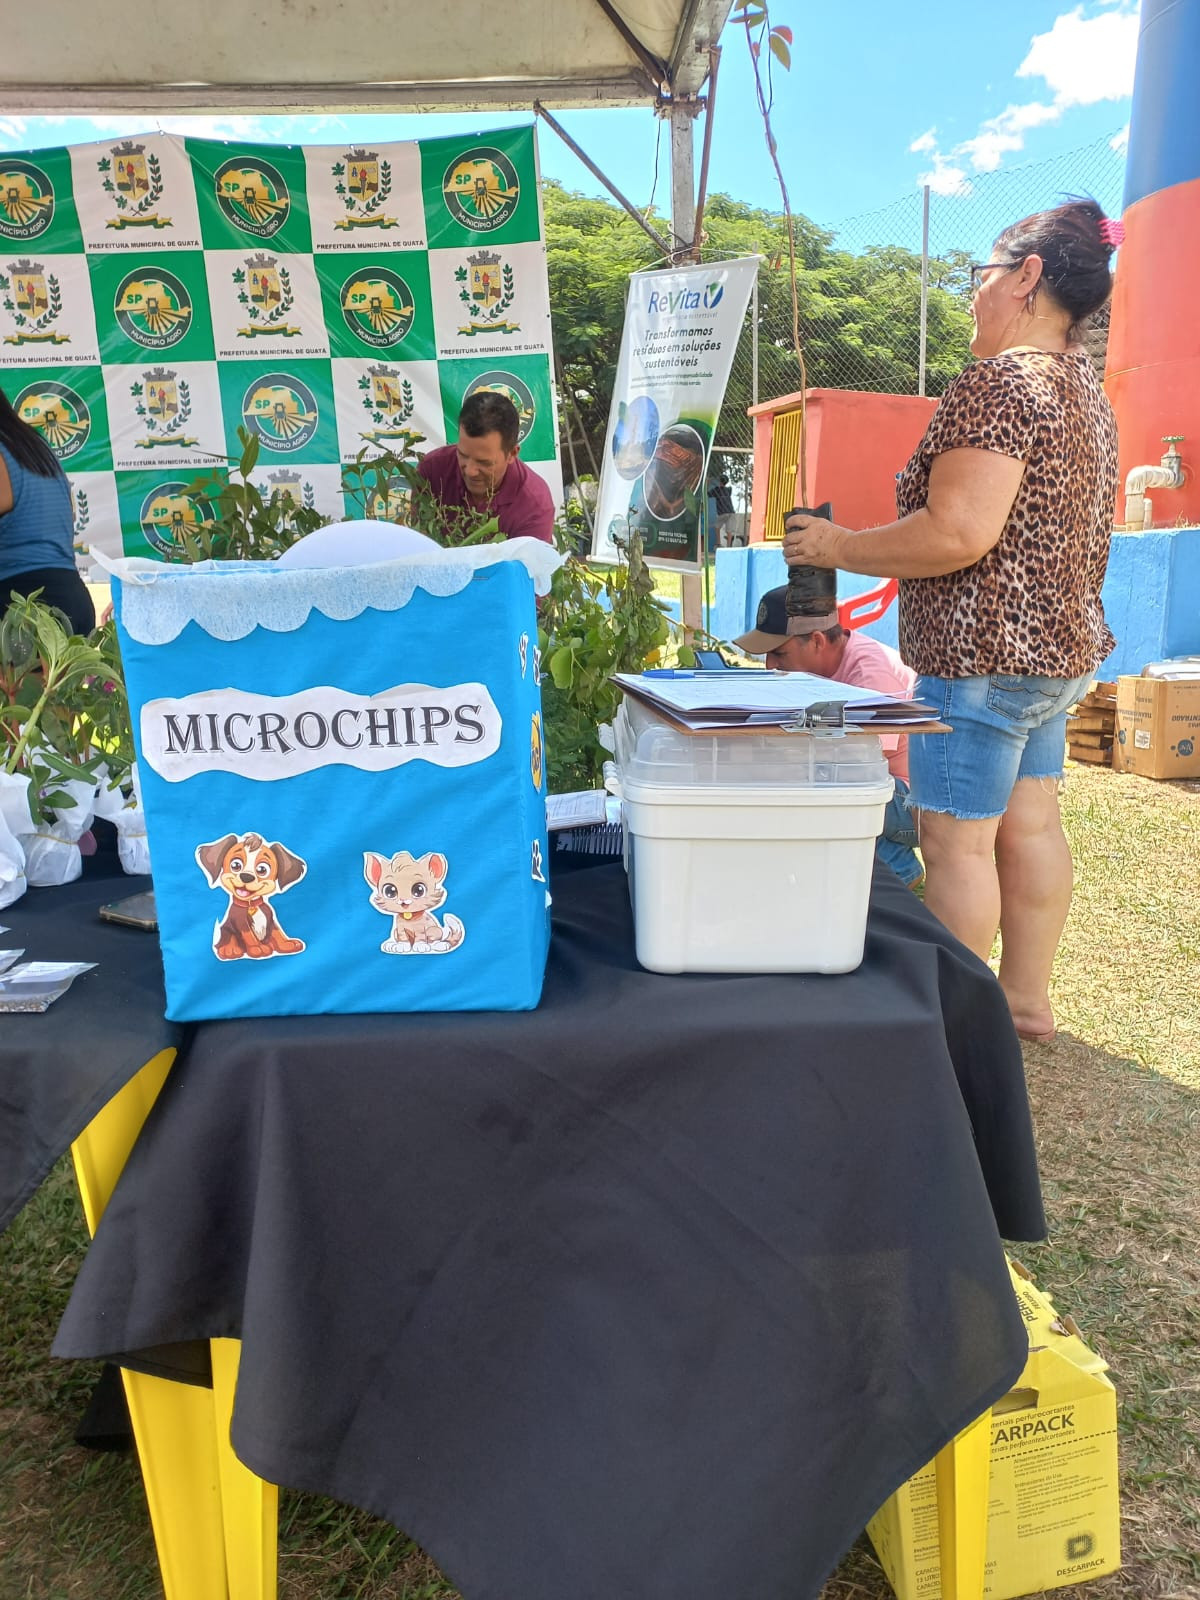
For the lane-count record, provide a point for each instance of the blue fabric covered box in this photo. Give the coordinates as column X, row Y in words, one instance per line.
column 343, row 781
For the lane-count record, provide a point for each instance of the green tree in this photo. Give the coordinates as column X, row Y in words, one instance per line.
column 859, row 314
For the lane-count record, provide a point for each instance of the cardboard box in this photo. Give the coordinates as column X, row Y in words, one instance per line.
column 1046, row 1324
column 345, row 813
column 1053, row 1515
column 1158, row 728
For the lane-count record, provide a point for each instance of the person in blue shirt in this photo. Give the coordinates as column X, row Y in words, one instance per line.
column 37, row 529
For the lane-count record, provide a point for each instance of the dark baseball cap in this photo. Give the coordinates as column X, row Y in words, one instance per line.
column 773, row 626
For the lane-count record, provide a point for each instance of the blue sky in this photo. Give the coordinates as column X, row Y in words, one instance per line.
column 880, row 98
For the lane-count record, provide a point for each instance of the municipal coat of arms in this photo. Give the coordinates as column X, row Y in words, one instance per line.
column 26, row 200
column 170, row 517
column 58, row 412
column 265, row 289
column 378, row 306
column 134, row 181
column 391, row 505
column 486, row 287
column 281, row 410
column 289, row 485
column 481, row 189
column 34, row 299
column 153, row 308
column 388, row 398
column 252, row 195
column 164, row 403
column 363, row 186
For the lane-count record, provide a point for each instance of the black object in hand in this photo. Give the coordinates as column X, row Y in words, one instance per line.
column 812, row 591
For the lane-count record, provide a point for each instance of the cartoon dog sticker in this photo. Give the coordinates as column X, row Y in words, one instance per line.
column 410, row 891
column 250, row 871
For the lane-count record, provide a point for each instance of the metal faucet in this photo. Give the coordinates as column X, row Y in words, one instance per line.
column 1167, row 475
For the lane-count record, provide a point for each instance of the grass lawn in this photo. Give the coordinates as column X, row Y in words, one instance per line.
column 1116, row 1099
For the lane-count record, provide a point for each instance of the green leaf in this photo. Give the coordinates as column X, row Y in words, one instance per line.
column 562, row 667
column 780, row 50
column 251, row 446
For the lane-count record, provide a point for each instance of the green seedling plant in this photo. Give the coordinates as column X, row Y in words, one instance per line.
column 63, row 712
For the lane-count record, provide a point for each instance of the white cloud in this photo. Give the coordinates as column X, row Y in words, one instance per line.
column 257, row 128
column 1083, row 59
column 261, row 129
column 945, row 178
column 998, row 136
column 1120, row 141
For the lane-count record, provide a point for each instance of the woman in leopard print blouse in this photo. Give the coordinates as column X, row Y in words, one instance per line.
column 1005, row 515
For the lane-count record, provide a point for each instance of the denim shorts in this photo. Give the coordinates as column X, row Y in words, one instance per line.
column 1005, row 728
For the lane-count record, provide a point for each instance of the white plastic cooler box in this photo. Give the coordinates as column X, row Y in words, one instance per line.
column 748, row 852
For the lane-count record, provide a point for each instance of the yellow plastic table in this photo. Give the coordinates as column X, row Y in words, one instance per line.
column 215, row 1523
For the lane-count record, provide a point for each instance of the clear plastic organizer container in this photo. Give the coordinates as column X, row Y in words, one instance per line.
column 747, row 852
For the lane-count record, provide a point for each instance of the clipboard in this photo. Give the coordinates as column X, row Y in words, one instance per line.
column 784, row 730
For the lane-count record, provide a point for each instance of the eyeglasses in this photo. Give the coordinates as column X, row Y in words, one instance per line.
column 978, row 268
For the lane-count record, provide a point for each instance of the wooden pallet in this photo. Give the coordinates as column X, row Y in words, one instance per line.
column 1092, row 725
column 1096, row 758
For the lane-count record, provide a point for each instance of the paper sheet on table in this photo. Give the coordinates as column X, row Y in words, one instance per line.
column 584, row 808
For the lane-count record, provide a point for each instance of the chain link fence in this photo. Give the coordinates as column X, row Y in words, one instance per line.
column 869, row 317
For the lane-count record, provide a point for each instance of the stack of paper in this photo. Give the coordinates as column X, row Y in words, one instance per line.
column 583, row 808
column 715, row 700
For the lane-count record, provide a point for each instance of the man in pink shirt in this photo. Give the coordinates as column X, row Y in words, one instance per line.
column 822, row 646
column 484, row 470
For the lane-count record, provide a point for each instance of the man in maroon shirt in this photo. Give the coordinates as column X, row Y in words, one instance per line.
column 485, row 472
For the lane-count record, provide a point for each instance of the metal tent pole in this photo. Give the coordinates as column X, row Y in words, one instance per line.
column 925, row 290
column 683, row 225
column 754, row 339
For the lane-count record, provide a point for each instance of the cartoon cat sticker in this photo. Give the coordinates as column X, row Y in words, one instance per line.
column 410, row 891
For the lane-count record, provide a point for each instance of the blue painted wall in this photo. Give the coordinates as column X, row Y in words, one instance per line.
column 1151, row 595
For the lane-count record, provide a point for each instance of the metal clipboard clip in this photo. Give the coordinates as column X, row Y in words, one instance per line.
column 825, row 716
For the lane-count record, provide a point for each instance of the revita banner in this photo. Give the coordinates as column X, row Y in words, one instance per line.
column 682, row 325
column 158, row 292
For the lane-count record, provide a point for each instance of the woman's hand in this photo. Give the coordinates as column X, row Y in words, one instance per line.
column 813, row 542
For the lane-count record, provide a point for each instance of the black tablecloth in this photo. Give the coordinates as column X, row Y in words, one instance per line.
column 58, row 1067
column 656, row 1292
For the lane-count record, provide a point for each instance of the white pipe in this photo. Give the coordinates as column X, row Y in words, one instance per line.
column 1168, row 474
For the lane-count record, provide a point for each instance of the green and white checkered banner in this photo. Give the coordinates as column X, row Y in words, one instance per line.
column 157, row 293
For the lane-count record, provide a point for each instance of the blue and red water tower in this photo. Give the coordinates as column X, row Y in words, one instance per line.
column 1153, row 374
